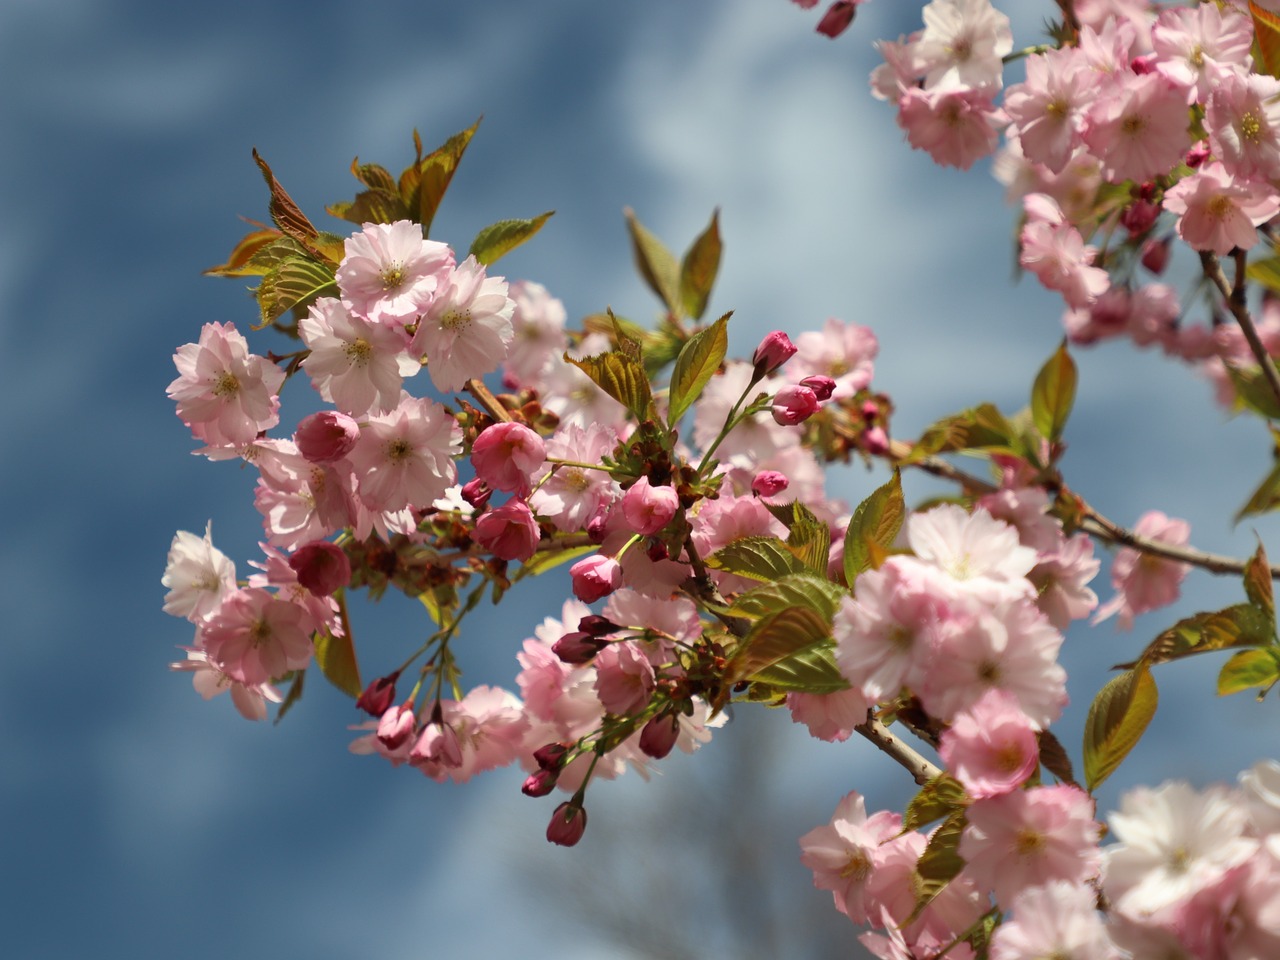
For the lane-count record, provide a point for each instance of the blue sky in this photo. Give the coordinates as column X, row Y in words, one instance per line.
column 142, row 821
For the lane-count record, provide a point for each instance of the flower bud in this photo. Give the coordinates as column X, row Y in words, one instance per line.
column 659, row 735
column 769, row 483
column 510, row 532
column 594, row 577
column 550, row 756
column 1139, row 217
column 822, row 387
column 567, row 825
column 647, row 508
column 837, row 18
column 437, row 744
column 1198, row 154
column 540, row 784
column 775, row 349
column 870, row 410
column 322, row 567
column 379, row 695
column 506, row 455
column 597, row 526
column 476, row 492
column 597, row 626
column 657, row 551
column 793, row 405
column 326, row 436
column 1155, row 254
column 396, row 726
column 875, row 441
column 576, row 648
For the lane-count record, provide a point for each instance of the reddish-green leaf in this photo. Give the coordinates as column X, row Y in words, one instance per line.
column 697, row 362
column 434, row 173
column 336, row 657
column 981, row 428
column 1053, row 757
column 939, row 864
column 1257, row 667
column 372, row 206
column 759, row 558
column 293, row 284
column 240, row 262
column 374, row 177
column 499, row 239
column 940, row 797
column 1117, row 719
column 621, row 377
column 1053, row 394
column 1257, row 584
column 775, row 637
column 285, row 214
column 1266, row 39
column 810, row 670
column 657, row 265
column 874, row 524
column 1240, row 625
column 698, row 269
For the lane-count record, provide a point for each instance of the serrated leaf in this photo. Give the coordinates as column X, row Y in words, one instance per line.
column 873, row 528
column 1053, row 394
column 697, row 363
column 499, row 239
column 1257, row 584
column 661, row 347
column 657, row 265
column 939, row 864
column 621, row 377
column 374, row 176
column 801, row 589
column 1257, row 667
column 698, row 269
column 759, row 558
column 1266, row 39
column 1240, row 625
column 371, row 206
column 1053, row 757
column 1117, row 719
column 940, row 797
column 293, row 283
column 240, row 262
column 285, row 214
column 292, row 697
column 433, row 175
column 336, row 657
column 810, row 541
column 1253, row 391
column 982, row 427
column 1264, row 499
column 775, row 637
column 811, row 670
column 541, row 561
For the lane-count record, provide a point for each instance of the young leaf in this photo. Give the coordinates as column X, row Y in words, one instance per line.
column 294, row 283
column 698, row 269
column 810, row 670
column 1117, row 719
column 1240, row 625
column 292, row 696
column 655, row 262
column 776, row 637
column 810, row 541
column 1257, row 667
column 1257, row 584
column 1053, row 757
column 982, row 427
column 940, row 797
column 434, row 173
column 337, row 659
column 1266, row 39
column 875, row 523
column 795, row 590
column 939, row 864
column 371, row 206
column 621, row 377
column 285, row 214
column 759, row 558
column 1267, row 496
column 697, row 362
column 1253, row 391
column 240, row 262
column 1053, row 394
column 499, row 239
column 374, row 177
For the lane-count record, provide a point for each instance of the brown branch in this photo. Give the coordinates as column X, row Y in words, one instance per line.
column 487, row 400
column 921, row 770
column 1235, row 299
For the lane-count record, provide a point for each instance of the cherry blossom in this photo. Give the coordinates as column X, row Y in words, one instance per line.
column 225, row 394
column 466, row 330
column 390, row 273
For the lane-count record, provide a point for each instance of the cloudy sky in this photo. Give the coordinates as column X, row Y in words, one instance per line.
column 140, row 820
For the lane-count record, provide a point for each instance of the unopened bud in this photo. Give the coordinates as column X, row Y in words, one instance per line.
column 322, row 567
column 396, row 726
column 379, row 695
column 1139, row 217
column 1198, row 154
column 769, row 483
column 576, row 648
column 438, row 744
column 476, row 492
column 567, row 825
column 551, row 756
column 775, row 349
column 1155, row 254
column 595, row 577
column 793, row 405
column 875, row 441
column 659, row 735
column 822, row 387
column 870, row 410
column 540, row 784
column 597, row 626
column 326, row 436
column 837, row 18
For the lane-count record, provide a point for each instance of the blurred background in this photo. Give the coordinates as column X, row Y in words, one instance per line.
column 139, row 820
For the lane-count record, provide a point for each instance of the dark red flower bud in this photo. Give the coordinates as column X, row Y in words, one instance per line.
column 379, row 695
column 837, row 18
column 597, row 626
column 659, row 735
column 540, row 784
column 476, row 492
column 1155, row 254
column 551, row 756
column 576, row 648
column 322, row 567
column 567, row 825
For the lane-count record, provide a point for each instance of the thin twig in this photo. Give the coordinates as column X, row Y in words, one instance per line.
column 1235, row 298
column 487, row 400
column 921, row 770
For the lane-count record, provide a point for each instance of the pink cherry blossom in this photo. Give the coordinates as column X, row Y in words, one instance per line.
column 830, row 716
column 1048, row 109
column 845, row 352
column 355, row 364
column 1140, row 131
column 978, row 556
column 390, row 273
column 225, row 394
column 1143, row 581
column 1217, row 212
column 509, row 532
column 962, row 44
column 991, row 747
column 466, row 331
column 1200, row 48
column 1243, row 121
column 484, row 730
column 1059, row 919
column 507, row 456
column 539, row 338
column 209, row 680
column 955, row 127
column 198, row 576
column 843, row 853
column 649, row 508
column 405, row 457
column 624, row 678
column 255, row 637
column 571, row 495
column 1055, row 252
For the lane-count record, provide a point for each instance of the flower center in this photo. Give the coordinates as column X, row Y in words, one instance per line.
column 575, row 479
column 858, row 866
column 259, row 632
column 1028, row 842
column 1133, row 125
column 1197, row 57
column 1250, row 127
column 226, row 385
column 455, row 319
column 1058, row 109
column 392, row 277
column 399, row 450
column 358, row 352
column 1219, row 207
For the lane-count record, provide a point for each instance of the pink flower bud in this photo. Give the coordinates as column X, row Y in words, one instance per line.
column 576, row 648
column 540, row 784
column 659, row 735
column 876, row 441
column 378, row 696
column 1144, row 64
column 822, row 387
column 794, row 404
column 396, row 726
column 870, row 410
column 837, row 18
column 1155, row 254
column 326, row 436
column 506, row 455
column 594, row 577
column 769, row 483
column 551, row 756
column 322, row 567
column 647, row 508
column 567, row 825
column 510, row 532
column 1139, row 217
column 597, row 527
column 1198, row 154
column 438, row 744
column 775, row 349
column 476, row 492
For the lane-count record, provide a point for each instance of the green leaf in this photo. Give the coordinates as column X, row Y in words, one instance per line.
column 776, row 637
column 1257, row 585
column 499, row 239
column 1264, row 499
column 1240, row 625
column 426, row 187
column 241, row 261
column 293, row 696
column 876, row 521
column 657, row 265
column 696, row 364
column 372, row 206
column 698, row 269
column 293, row 284
column 662, row 346
column 759, row 558
column 1053, row 757
column 337, row 659
column 621, row 377
column 810, row 541
column 983, row 427
column 1266, row 42
column 1253, row 391
column 285, row 214
column 1258, row 667
column 374, row 176
column 939, row 864
column 940, row 797
column 1117, row 719
column 1053, row 394
column 795, row 590
column 542, row 561
column 811, row 670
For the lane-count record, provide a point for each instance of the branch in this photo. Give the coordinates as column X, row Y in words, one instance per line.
column 921, row 770
column 1235, row 299
column 487, row 400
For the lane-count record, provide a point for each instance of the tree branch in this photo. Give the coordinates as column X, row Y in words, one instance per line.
column 921, row 770
column 1235, row 300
